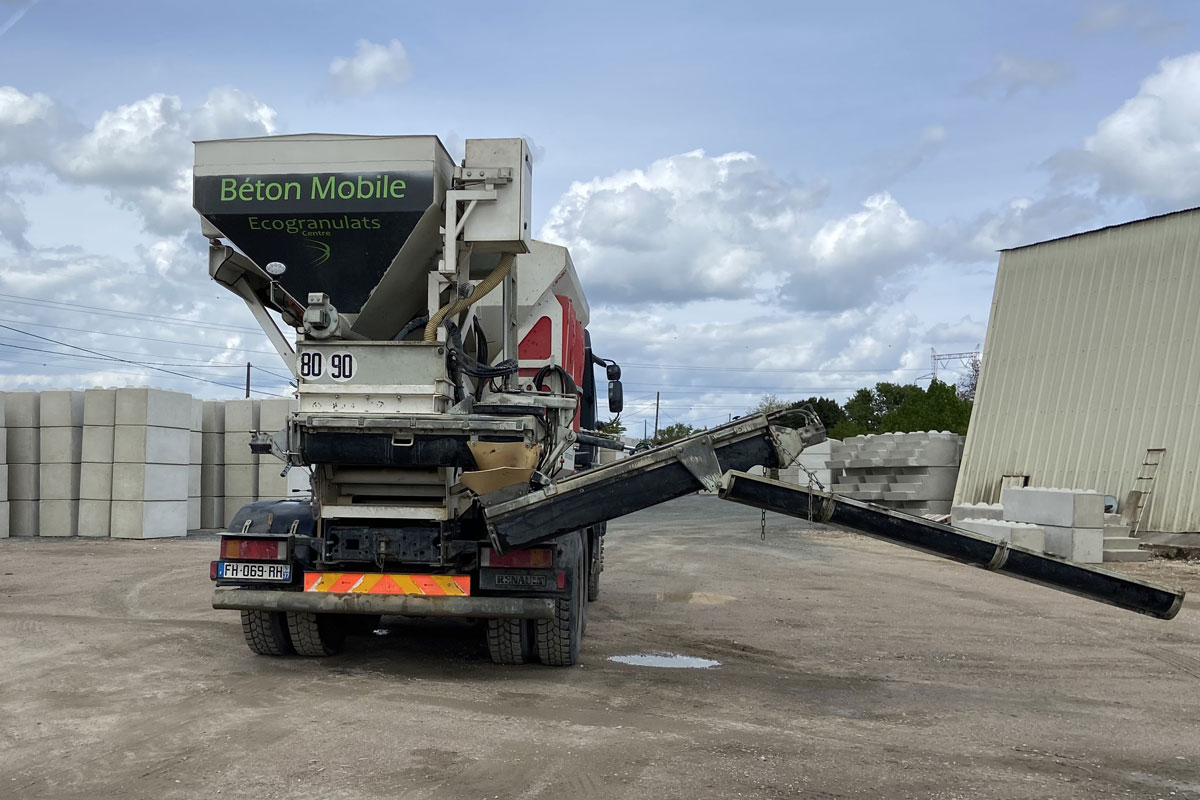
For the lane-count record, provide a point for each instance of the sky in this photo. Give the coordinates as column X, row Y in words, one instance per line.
column 760, row 197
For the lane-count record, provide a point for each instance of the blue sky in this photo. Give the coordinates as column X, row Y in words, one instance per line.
column 881, row 152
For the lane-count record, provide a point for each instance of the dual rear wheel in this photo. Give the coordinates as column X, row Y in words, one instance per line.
column 278, row 633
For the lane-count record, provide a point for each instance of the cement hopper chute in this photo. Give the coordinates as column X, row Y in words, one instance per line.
column 329, row 214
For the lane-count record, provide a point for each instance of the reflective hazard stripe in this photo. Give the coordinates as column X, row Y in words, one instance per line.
column 386, row 583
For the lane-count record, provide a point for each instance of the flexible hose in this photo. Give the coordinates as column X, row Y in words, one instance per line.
column 459, row 305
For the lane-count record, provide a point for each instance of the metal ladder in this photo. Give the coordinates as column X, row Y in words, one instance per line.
column 1139, row 496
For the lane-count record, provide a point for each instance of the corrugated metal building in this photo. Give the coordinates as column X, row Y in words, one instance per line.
column 1091, row 358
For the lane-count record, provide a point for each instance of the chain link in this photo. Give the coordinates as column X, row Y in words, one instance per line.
column 764, row 525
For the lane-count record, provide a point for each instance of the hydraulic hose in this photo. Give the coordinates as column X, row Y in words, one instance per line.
column 459, row 305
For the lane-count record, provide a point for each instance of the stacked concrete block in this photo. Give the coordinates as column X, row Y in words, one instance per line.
column 241, row 466
column 212, row 465
column 273, row 417
column 96, row 469
column 60, row 438
column 1072, row 519
column 22, row 415
column 910, row 472
column 3, row 475
column 195, row 460
column 964, row 511
column 151, row 443
column 1119, row 544
column 813, row 459
column 1021, row 534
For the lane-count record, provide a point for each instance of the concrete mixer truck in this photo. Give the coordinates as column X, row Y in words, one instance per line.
column 446, row 406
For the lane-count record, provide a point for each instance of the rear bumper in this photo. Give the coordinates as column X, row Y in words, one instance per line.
column 390, row 605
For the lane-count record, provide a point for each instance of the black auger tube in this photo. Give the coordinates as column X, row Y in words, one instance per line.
column 942, row 540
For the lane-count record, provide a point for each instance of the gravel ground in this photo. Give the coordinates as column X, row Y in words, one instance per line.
column 848, row 668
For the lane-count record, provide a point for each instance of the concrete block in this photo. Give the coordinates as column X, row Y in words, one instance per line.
column 193, row 514
column 23, row 517
column 241, row 480
column 212, row 480
column 273, row 413
column 97, row 444
column 60, row 408
column 139, row 444
column 100, row 407
column 194, row 480
column 61, row 445
column 22, row 410
column 1126, row 556
column 58, row 517
column 1081, row 545
column 197, row 415
column 1021, row 534
column 237, row 448
column 212, row 448
column 4, row 444
column 3, row 520
column 212, row 512
column 94, row 517
column 299, row 480
column 1064, row 508
column 155, row 408
column 214, row 416
column 3, row 483
column 271, row 486
column 136, row 519
column 58, row 482
column 24, row 482
column 196, row 447
column 95, row 482
column 1117, row 529
column 241, row 415
column 154, row 482
column 976, row 511
column 232, row 506
column 24, row 446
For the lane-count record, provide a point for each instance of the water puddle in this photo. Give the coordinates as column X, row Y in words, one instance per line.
column 666, row 661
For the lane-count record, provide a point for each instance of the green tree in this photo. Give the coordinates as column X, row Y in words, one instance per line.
column 671, row 433
column 968, row 383
column 861, row 411
column 938, row 408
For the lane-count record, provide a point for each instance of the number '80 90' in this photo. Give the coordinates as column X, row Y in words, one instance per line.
column 335, row 366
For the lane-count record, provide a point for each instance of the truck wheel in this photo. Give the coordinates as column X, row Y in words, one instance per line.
column 266, row 633
column 315, row 634
column 595, row 567
column 510, row 640
column 559, row 640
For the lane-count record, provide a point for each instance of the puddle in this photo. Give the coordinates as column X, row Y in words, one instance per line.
column 666, row 661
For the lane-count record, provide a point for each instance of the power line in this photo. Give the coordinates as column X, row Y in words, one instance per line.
column 288, row 378
column 112, row 312
column 127, row 361
column 148, row 338
column 790, row 371
column 75, row 369
column 200, row 365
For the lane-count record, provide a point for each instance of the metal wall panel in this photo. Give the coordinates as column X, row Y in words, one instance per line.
column 1090, row 358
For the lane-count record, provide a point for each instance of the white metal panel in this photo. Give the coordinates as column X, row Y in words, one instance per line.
column 1090, row 359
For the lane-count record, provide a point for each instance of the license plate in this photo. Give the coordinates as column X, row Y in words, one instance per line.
column 252, row 571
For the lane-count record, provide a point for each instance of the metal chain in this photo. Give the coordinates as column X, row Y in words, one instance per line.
column 764, row 525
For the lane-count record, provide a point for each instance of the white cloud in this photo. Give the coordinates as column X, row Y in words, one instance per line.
column 28, row 124
column 13, row 222
column 1150, row 146
column 1022, row 221
column 373, row 67
column 1146, row 23
column 886, row 166
column 1011, row 74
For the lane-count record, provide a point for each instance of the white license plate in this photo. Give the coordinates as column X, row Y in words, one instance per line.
column 253, row 571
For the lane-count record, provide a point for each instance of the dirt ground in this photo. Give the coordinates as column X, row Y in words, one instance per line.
column 848, row 668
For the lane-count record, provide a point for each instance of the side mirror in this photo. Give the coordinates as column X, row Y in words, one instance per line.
column 616, row 396
column 613, row 371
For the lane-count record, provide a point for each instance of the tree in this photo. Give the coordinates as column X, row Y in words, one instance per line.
column 862, row 412
column 968, row 383
column 613, row 427
column 938, row 408
column 672, row 433
column 827, row 410
column 768, row 403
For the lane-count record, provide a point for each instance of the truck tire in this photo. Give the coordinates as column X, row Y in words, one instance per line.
column 595, row 567
column 510, row 640
column 315, row 635
column 559, row 640
column 266, row 633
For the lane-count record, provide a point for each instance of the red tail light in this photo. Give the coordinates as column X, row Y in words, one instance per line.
column 532, row 558
column 212, row 570
column 255, row 549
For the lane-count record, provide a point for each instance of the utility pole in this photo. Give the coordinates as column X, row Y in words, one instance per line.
column 247, row 380
column 644, row 422
column 657, row 396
